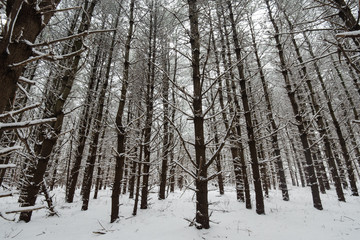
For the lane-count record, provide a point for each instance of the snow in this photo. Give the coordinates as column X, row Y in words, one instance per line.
column 164, row 219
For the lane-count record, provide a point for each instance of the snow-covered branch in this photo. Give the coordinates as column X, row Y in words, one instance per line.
column 5, row 151
column 25, row 80
column 182, row 141
column 15, row 125
column 185, row 170
column 24, row 209
column 222, row 143
column 349, row 34
column 83, row 34
column 15, row 112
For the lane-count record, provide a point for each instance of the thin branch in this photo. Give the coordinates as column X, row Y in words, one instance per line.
column 12, row 113
column 217, row 152
column 6, row 151
column 69, row 37
column 60, row 10
column 186, row 170
column 182, row 141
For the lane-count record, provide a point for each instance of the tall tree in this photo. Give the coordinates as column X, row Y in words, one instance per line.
column 260, row 209
column 66, row 81
column 296, row 110
column 120, row 158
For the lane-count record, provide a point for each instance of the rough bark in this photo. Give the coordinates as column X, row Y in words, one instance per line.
column 202, row 211
column 24, row 23
column 120, row 158
column 49, row 140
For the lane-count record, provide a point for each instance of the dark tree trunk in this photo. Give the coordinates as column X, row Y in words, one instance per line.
column 90, row 164
column 236, row 148
column 44, row 151
column 138, row 175
column 84, row 129
column 202, row 210
column 248, row 118
column 166, row 133
column 299, row 118
column 271, row 119
column 100, row 171
column 149, row 101
column 24, row 23
column 120, row 158
column 132, row 177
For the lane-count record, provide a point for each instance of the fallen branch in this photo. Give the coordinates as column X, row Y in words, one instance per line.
column 8, row 219
column 6, row 194
column 24, row 209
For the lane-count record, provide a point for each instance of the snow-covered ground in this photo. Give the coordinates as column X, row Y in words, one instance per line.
column 292, row 220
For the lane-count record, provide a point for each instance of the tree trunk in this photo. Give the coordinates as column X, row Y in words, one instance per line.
column 166, row 132
column 249, row 124
column 24, row 23
column 120, row 158
column 44, row 151
column 202, row 211
column 84, row 129
column 270, row 117
column 149, row 101
column 236, row 148
column 298, row 116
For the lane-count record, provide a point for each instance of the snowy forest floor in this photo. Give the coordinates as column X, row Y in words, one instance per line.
column 164, row 219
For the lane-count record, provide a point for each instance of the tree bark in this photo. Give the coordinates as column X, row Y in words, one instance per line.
column 202, row 211
column 120, row 158
column 24, row 23
column 260, row 209
column 49, row 140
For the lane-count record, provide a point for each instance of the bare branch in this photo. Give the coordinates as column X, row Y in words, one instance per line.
column 83, row 34
column 25, row 80
column 24, row 209
column 222, row 143
column 186, row 170
column 182, row 141
column 60, row 10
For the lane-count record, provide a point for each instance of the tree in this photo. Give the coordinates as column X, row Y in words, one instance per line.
column 120, row 158
column 37, row 171
column 25, row 21
column 299, row 118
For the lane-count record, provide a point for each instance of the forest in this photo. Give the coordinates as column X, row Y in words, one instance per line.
column 131, row 108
